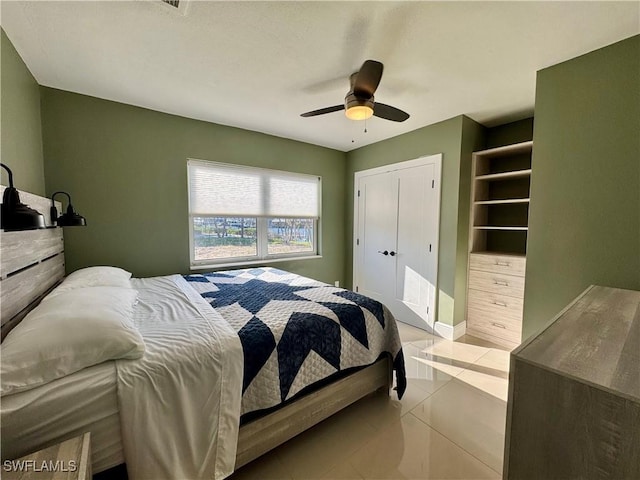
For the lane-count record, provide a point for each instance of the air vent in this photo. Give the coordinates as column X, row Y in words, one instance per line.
column 178, row 6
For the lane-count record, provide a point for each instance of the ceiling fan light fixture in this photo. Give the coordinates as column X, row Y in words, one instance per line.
column 359, row 112
column 357, row 108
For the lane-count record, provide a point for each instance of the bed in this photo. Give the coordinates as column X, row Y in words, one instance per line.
column 272, row 325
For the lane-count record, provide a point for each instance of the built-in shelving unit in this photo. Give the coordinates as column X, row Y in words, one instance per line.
column 500, row 201
column 498, row 241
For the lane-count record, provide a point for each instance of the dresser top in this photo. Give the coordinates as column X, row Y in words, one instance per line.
column 596, row 340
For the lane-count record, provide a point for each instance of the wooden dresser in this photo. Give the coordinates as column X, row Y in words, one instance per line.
column 498, row 243
column 574, row 393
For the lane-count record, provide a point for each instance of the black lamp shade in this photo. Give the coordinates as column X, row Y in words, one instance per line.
column 71, row 219
column 15, row 214
column 68, row 219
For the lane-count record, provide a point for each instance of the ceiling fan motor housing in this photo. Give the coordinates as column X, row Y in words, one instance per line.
column 351, row 100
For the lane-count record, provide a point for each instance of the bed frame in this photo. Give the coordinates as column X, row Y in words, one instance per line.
column 266, row 433
column 32, row 264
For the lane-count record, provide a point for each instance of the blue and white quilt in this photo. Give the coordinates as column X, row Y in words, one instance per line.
column 296, row 331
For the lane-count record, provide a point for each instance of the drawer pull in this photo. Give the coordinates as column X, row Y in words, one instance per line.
column 503, row 264
column 498, row 282
column 500, row 304
column 499, row 325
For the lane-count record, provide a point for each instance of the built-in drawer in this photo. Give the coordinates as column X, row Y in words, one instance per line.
column 499, row 283
column 495, row 314
column 507, row 264
column 496, row 305
column 495, row 331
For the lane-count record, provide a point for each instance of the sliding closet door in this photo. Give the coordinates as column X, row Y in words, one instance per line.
column 396, row 232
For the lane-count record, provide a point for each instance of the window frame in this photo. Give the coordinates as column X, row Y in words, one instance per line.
column 262, row 256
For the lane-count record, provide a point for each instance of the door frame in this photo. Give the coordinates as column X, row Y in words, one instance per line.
column 436, row 161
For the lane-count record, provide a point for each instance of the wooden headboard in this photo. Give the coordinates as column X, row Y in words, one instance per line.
column 31, row 264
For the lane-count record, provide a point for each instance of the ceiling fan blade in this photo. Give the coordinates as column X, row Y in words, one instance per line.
column 322, row 111
column 368, row 79
column 389, row 113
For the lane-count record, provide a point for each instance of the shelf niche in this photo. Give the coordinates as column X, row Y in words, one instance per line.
column 500, row 241
column 502, row 188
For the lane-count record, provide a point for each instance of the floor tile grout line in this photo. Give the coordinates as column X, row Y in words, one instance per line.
column 487, row 353
column 471, row 362
column 445, row 383
column 362, row 477
column 365, row 444
column 424, row 389
column 480, row 390
column 429, row 393
column 454, row 442
column 490, row 367
column 350, row 451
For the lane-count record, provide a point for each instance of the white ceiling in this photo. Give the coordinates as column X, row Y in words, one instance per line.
column 258, row 65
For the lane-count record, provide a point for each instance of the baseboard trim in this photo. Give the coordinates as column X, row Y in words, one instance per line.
column 450, row 332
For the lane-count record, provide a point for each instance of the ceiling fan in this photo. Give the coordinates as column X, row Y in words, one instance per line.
column 359, row 103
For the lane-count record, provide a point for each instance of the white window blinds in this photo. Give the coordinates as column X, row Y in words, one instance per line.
column 223, row 189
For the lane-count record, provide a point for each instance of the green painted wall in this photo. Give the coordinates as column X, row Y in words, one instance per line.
column 584, row 225
column 510, row 133
column 445, row 137
column 125, row 168
column 21, row 138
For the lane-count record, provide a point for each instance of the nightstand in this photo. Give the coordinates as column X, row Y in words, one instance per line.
column 69, row 460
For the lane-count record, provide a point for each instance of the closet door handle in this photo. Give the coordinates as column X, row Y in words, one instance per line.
column 393, row 254
column 385, row 252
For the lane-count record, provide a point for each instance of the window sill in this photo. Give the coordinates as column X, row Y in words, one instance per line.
column 252, row 262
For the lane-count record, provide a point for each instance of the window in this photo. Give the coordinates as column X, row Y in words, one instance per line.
column 243, row 214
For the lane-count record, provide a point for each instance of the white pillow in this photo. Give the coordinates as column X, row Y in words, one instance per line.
column 93, row 277
column 69, row 332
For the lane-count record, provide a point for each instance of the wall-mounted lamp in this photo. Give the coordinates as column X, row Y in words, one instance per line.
column 15, row 214
column 68, row 219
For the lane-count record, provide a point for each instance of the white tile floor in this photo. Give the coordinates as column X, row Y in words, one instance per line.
column 449, row 424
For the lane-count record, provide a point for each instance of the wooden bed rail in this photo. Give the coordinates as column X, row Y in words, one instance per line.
column 261, row 435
